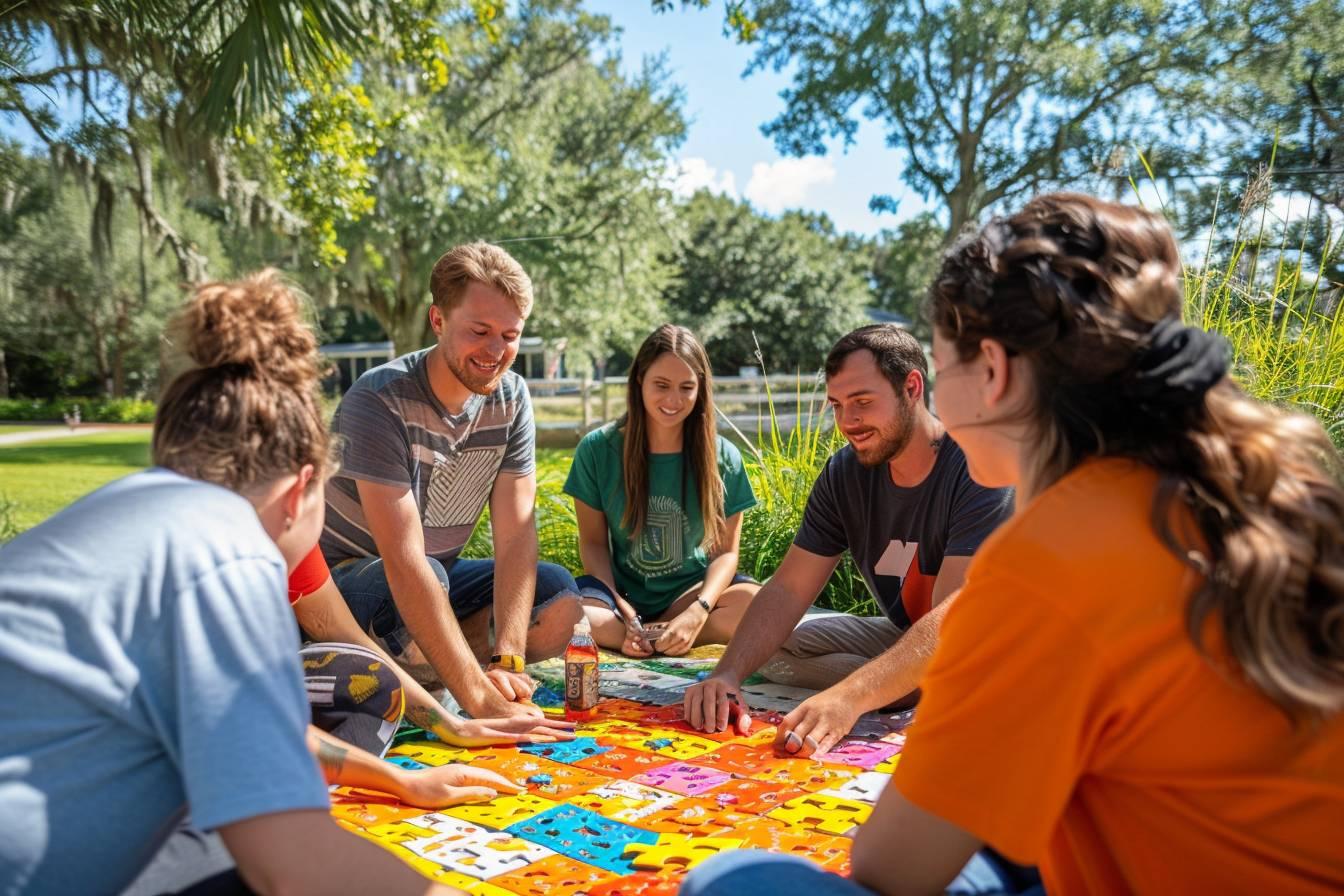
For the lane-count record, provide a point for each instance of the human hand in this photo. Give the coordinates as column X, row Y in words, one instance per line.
column 635, row 643
column 512, row 686
column 714, row 704
column 490, row 704
column 816, row 725
column 451, row 785
column 510, row 730
column 680, row 634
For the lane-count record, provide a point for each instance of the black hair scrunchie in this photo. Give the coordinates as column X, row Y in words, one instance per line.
column 1178, row 365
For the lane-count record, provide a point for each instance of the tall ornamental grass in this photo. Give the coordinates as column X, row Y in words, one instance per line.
column 1284, row 322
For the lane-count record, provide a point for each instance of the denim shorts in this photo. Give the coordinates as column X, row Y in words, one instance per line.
column 470, row 587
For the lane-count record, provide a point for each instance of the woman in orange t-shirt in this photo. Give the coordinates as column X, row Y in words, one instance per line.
column 1140, row 685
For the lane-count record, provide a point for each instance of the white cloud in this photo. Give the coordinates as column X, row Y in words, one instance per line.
column 690, row 175
column 785, row 183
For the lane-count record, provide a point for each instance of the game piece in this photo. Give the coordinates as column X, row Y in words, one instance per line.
column 740, row 759
column 641, row 883
column 483, row 856
column 567, row 751
column 832, row 853
column 828, row 814
column 683, row 778
column 624, row 801
column 583, row 835
column 502, row 811
column 865, row 788
column 756, row 797
column 699, row 816
column 430, row 752
column 674, row 854
column 555, row 875
column 861, row 753
column 674, row 744
column 406, row 762
column 621, row 762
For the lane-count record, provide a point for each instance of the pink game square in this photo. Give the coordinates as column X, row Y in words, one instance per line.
column 683, row 778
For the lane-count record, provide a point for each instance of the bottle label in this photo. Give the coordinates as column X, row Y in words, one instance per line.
column 580, row 684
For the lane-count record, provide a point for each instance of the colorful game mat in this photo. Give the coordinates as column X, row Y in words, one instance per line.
column 638, row 798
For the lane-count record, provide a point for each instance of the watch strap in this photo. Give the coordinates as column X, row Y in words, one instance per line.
column 509, row 661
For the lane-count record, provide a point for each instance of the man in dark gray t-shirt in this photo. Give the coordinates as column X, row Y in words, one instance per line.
column 900, row 499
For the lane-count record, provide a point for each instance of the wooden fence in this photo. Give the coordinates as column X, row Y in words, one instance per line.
column 581, row 404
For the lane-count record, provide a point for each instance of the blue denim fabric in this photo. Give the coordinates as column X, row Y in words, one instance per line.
column 470, row 587
column 754, row 872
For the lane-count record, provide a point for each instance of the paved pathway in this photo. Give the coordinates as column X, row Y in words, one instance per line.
column 51, row 432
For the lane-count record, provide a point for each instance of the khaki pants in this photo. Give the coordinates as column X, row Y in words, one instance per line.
column 822, row 651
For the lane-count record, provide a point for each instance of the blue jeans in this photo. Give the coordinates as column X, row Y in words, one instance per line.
column 755, row 872
column 468, row 584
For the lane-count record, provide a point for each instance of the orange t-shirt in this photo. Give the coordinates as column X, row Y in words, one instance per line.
column 1069, row 721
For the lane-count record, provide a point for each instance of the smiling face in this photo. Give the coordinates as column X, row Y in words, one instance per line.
column 479, row 338
column 877, row 421
column 670, row 390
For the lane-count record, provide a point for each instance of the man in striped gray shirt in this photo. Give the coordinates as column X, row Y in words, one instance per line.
column 428, row 439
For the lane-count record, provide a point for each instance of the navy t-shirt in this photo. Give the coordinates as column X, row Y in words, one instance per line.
column 899, row 536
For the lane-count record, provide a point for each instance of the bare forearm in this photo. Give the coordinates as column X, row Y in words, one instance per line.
column 348, row 765
column 767, row 625
column 515, row 584
column 895, row 672
column 596, row 560
column 718, row 576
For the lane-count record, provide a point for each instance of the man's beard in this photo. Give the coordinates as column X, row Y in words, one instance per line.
column 474, row 379
column 889, row 441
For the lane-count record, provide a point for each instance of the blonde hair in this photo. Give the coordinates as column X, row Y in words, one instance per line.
column 479, row 262
column 1079, row 287
column 240, row 406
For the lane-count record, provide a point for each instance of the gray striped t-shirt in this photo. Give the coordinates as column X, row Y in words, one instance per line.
column 397, row 433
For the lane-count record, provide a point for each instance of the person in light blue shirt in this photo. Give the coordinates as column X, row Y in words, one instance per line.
column 147, row 649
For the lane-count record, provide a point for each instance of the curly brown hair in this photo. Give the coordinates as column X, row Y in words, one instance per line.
column 1081, row 289
column 240, row 407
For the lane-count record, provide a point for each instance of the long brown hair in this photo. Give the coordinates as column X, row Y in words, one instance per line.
column 240, row 407
column 699, row 443
column 1083, row 290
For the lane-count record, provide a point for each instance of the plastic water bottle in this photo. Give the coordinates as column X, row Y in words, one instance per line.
column 581, row 683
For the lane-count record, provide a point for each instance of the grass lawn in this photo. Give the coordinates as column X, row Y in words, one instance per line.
column 7, row 428
column 39, row 478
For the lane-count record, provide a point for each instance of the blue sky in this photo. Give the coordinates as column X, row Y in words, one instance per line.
column 725, row 149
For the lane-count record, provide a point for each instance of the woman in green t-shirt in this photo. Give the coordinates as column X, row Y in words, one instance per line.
column 659, row 497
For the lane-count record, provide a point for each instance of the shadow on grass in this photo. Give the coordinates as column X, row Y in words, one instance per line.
column 104, row 449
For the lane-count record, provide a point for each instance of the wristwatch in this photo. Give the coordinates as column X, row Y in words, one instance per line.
column 704, row 603
column 508, row 662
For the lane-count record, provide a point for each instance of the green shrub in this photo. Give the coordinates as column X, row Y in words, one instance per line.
column 91, row 410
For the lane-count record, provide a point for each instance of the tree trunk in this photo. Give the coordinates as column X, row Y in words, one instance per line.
column 408, row 329
column 4, row 376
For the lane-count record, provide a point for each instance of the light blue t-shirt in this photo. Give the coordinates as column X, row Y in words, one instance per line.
column 148, row 664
